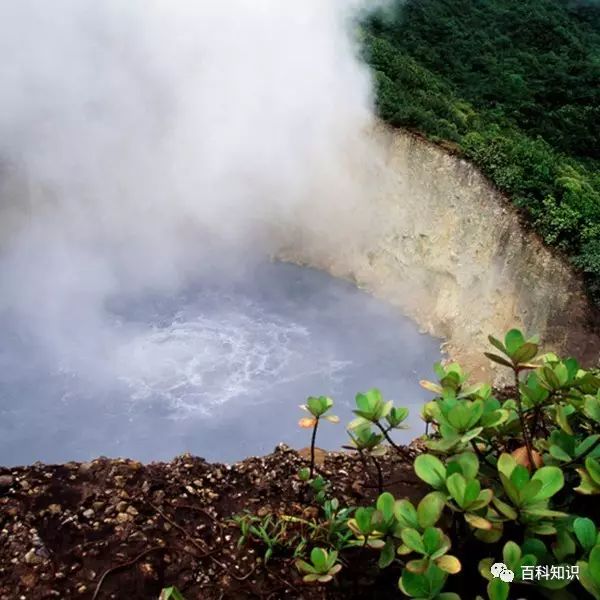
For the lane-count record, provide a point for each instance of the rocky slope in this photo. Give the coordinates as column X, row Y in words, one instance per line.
column 120, row 529
column 448, row 249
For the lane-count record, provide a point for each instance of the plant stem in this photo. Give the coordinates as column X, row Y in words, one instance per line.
column 524, row 427
column 312, row 447
column 387, row 437
column 364, row 462
column 379, row 474
column 480, row 455
column 579, row 458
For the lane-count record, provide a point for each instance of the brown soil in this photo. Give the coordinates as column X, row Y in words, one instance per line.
column 121, row 529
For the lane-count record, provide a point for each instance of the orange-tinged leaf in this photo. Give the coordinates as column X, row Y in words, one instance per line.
column 449, row 564
column 307, row 422
column 477, row 521
column 522, row 458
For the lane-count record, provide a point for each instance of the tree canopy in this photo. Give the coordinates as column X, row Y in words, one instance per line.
column 515, row 87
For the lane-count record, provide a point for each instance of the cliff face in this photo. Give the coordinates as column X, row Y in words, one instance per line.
column 450, row 251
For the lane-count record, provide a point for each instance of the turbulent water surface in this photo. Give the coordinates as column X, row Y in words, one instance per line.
column 216, row 370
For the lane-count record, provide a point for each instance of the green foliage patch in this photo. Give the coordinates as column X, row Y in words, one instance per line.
column 515, row 87
column 508, row 475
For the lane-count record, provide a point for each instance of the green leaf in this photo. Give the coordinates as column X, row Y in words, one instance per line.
column 537, row 548
column 430, row 469
column 564, row 545
column 317, row 405
column 304, row 474
column 412, row 539
column 485, row 568
column 498, row 590
column 483, row 499
column 498, row 359
column 585, row 531
column 436, row 578
column 584, row 446
column 494, row 418
column 304, row 567
column 528, row 493
column 587, row 485
column 362, row 402
column 467, row 462
column 586, row 579
column 519, row 476
column 406, row 514
column 471, row 492
column 387, row 554
column 544, row 513
column 551, row 378
column 331, row 559
column 593, row 468
column 415, row 585
column 430, row 509
column 563, row 420
column 171, row 593
column 510, row 489
column 562, row 373
column 497, row 343
column 511, row 553
column 594, row 565
column 362, row 517
column 385, row 504
column 507, row 510
column 558, row 453
column 473, row 433
column 591, row 408
column 552, row 481
column 525, row 353
column 490, row 536
column 432, row 540
column 457, row 486
column 513, row 340
column 506, row 464
column 318, row 557
column 543, row 528
column 460, row 415
column 397, row 415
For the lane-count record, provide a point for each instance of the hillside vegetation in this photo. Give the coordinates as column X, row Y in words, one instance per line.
column 515, row 87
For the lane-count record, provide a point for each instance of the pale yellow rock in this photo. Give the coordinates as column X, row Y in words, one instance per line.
column 436, row 239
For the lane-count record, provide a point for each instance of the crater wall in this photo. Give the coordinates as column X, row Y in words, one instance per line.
column 442, row 244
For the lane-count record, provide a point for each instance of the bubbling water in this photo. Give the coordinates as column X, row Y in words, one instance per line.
column 218, row 370
column 236, row 349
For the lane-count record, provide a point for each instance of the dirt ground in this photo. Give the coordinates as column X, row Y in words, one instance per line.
column 123, row 530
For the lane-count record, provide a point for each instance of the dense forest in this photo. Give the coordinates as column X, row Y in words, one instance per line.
column 514, row 85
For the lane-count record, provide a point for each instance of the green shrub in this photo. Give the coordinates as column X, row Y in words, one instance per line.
column 511, row 475
column 521, row 102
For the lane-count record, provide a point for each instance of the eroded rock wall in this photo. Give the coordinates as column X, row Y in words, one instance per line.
column 441, row 243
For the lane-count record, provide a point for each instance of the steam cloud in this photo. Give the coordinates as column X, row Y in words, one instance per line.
column 145, row 142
